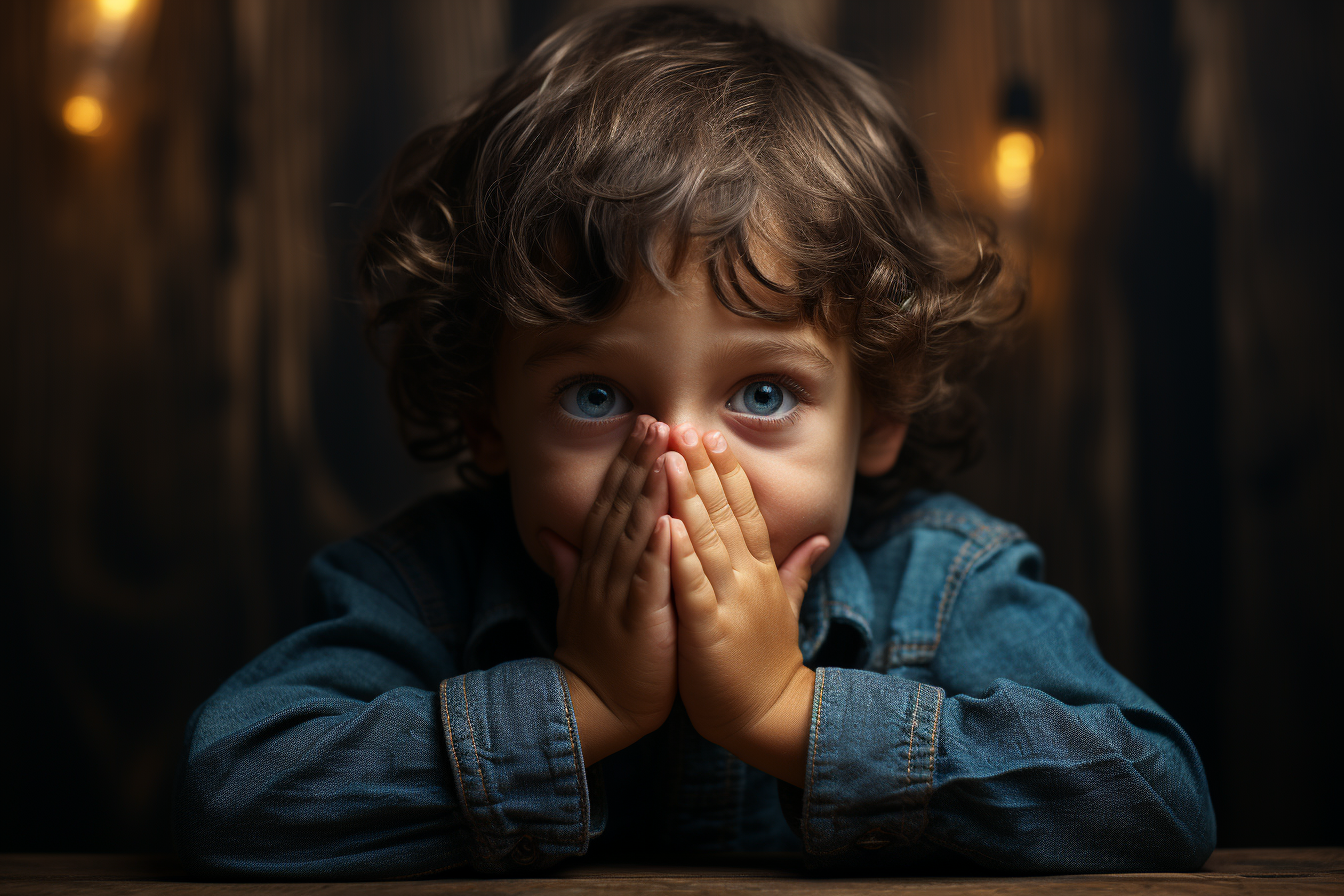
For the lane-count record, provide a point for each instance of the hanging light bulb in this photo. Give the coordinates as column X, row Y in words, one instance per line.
column 1018, row 147
column 82, row 114
column 99, row 46
column 116, row 9
column 1014, row 157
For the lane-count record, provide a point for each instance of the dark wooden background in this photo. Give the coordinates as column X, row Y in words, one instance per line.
column 188, row 411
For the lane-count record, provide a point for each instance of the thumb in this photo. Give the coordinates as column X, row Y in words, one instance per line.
column 797, row 569
column 564, row 560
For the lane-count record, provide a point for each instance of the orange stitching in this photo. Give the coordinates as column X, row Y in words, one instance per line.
column 956, row 576
column 443, row 708
column 471, row 729
column 447, row 717
column 910, row 747
column 953, row 573
column 571, row 725
column 812, row 760
column 933, row 740
column 949, row 593
column 457, row 768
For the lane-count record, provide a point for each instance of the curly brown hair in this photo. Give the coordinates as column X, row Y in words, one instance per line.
column 634, row 129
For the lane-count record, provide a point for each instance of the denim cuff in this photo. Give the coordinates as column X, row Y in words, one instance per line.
column 870, row 763
column 517, row 764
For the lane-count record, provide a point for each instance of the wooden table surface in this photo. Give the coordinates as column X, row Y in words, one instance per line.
column 1228, row 871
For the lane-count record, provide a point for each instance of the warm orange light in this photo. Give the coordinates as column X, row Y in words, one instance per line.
column 1013, row 160
column 116, row 9
column 82, row 114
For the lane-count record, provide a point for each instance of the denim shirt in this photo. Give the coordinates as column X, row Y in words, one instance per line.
column 962, row 714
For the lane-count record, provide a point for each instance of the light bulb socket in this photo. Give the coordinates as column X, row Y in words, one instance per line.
column 1021, row 106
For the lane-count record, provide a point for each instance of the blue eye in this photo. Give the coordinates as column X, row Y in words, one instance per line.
column 762, row 399
column 593, row 400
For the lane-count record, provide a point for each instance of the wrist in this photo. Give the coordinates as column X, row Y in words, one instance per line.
column 777, row 744
column 600, row 731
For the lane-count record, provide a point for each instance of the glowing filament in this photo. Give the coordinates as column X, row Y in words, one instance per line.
column 82, row 114
column 1013, row 158
column 116, row 9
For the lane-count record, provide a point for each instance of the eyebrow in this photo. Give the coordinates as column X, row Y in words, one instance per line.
column 775, row 348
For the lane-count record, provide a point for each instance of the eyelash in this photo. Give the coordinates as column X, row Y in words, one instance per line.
column 803, row 396
column 572, row 381
column 788, row 383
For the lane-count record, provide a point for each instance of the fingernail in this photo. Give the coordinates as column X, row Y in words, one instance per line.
column 690, row 437
column 716, row 442
column 675, row 462
column 662, row 429
column 658, row 464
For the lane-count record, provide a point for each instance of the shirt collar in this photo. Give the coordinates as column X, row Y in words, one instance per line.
column 835, row 620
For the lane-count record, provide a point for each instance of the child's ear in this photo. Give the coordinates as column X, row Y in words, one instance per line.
column 880, row 442
column 487, row 446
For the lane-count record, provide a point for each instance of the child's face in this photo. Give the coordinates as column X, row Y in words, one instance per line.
column 567, row 398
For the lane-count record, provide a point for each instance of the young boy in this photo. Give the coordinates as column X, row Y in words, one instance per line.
column 680, row 288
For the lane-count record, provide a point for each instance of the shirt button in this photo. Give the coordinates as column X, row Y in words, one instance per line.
column 874, row 839
column 524, row 851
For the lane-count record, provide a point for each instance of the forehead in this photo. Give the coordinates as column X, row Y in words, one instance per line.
column 655, row 324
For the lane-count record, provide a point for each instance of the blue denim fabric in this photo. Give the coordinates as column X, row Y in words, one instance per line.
column 962, row 714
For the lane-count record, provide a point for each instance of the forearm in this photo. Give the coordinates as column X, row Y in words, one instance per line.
column 1011, row 779
column 307, row 792
column 410, row 782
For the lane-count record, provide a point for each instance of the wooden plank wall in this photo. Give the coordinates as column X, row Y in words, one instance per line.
column 188, row 411
column 175, row 286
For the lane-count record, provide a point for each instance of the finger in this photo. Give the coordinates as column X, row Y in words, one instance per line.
column 686, row 506
column 686, row 441
column 623, row 503
column 634, row 538
column 697, row 607
column 797, row 570
column 740, row 497
column 651, row 584
column 620, row 465
column 564, row 560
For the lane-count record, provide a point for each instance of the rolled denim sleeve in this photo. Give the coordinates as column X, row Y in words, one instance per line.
column 1014, row 747
column 870, row 762
column 356, row 748
column 521, row 809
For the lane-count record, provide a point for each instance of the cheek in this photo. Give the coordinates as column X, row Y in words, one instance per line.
column 554, row 490
column 801, row 500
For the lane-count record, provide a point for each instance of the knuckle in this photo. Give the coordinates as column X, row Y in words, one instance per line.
column 620, row 504
column 634, row 527
column 630, row 488
column 705, row 532
column 752, row 514
column 628, row 540
column 629, row 532
column 718, row 507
